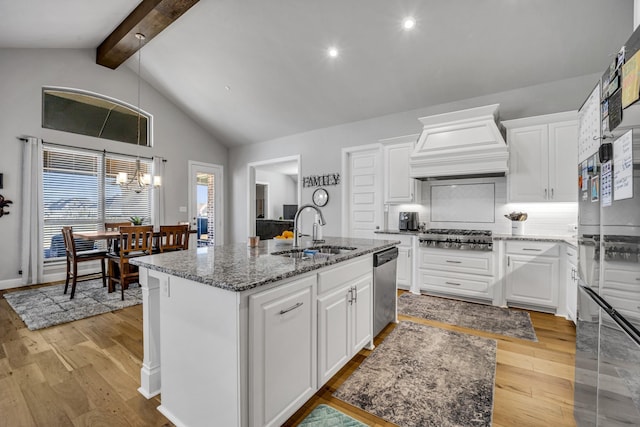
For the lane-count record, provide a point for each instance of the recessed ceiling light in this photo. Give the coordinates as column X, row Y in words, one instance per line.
column 332, row 52
column 227, row 87
column 408, row 23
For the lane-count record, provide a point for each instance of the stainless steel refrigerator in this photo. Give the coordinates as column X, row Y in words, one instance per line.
column 607, row 366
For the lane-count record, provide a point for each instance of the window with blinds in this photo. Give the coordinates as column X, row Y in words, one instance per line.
column 80, row 190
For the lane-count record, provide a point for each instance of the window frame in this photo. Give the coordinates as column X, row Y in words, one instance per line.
column 74, row 91
column 101, row 176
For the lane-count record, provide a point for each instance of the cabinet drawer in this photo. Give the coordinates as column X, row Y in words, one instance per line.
column 533, row 248
column 454, row 283
column 457, row 261
column 618, row 277
column 341, row 274
column 626, row 303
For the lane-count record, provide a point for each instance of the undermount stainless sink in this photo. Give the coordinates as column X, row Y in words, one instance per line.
column 325, row 250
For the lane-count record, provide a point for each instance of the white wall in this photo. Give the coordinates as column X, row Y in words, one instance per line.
column 282, row 190
column 320, row 149
column 23, row 72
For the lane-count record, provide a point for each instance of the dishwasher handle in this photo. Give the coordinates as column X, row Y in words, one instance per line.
column 383, row 257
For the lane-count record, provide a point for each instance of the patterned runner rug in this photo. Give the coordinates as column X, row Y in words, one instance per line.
column 47, row 306
column 326, row 416
column 425, row 376
column 497, row 320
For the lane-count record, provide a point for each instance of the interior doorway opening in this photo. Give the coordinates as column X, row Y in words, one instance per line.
column 280, row 180
column 262, row 200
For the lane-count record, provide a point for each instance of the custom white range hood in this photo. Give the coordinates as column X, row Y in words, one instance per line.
column 461, row 144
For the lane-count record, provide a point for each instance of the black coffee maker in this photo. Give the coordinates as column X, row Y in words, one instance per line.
column 408, row 221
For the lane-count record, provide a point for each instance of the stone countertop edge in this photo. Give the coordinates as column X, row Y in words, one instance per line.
column 236, row 267
column 406, row 232
column 571, row 240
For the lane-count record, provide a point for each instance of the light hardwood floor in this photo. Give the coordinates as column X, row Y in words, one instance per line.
column 534, row 380
column 86, row 373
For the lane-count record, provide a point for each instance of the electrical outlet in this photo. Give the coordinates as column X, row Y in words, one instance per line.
column 182, row 209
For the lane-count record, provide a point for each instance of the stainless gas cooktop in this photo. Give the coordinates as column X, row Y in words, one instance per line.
column 475, row 240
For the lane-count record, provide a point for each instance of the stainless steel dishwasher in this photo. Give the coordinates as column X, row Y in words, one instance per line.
column 384, row 288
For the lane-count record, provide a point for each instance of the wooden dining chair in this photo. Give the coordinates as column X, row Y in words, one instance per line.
column 114, row 226
column 134, row 241
column 74, row 257
column 173, row 238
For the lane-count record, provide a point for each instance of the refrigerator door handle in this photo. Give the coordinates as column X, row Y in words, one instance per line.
column 597, row 299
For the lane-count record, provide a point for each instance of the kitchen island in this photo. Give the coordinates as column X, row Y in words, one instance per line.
column 247, row 335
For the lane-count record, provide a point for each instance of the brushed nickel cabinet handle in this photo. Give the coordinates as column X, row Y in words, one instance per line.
column 453, row 283
column 454, row 262
column 293, row 307
column 545, row 193
column 532, row 249
column 355, row 294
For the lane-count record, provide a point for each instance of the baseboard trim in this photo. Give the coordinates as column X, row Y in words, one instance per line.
column 49, row 277
column 11, row 283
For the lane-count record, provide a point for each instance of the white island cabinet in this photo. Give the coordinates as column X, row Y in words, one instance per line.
column 248, row 337
column 345, row 315
column 282, row 343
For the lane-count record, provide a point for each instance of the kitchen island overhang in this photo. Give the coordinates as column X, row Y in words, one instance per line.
column 184, row 320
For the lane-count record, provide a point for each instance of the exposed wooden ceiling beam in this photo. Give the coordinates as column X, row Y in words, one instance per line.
column 149, row 18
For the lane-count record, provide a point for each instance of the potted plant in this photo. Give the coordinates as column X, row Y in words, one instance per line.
column 136, row 220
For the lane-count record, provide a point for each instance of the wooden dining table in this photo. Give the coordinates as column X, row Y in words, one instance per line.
column 106, row 235
column 100, row 235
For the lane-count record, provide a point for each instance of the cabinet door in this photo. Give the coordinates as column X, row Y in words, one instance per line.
column 333, row 331
column 398, row 186
column 403, row 267
column 283, row 371
column 563, row 158
column 362, row 313
column 528, row 164
column 532, row 280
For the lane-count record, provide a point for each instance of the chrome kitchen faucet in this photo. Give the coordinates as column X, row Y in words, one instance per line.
column 296, row 237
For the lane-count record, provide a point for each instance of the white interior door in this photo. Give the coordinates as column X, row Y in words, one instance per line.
column 364, row 192
column 206, row 203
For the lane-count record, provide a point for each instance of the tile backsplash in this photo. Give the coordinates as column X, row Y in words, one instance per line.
column 481, row 204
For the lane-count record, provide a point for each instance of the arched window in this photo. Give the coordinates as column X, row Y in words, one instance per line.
column 92, row 114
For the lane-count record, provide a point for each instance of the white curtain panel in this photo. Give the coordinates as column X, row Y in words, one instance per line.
column 32, row 259
column 157, row 198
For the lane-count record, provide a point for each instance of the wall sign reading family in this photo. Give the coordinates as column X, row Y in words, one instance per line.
column 321, row 180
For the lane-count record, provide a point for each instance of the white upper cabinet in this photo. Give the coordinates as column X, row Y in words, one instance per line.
column 543, row 156
column 399, row 187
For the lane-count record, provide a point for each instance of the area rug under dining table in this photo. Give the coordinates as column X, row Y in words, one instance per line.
column 421, row 376
column 48, row 306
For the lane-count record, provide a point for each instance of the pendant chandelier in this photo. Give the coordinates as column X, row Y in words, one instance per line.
column 139, row 181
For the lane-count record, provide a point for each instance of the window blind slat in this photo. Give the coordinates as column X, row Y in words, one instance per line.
column 75, row 193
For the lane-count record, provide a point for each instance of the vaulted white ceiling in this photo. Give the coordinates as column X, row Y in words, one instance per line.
column 254, row 70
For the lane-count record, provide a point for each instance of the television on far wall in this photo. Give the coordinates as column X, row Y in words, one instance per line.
column 289, row 211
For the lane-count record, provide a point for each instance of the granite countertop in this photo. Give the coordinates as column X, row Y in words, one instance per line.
column 236, row 267
column 571, row 240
